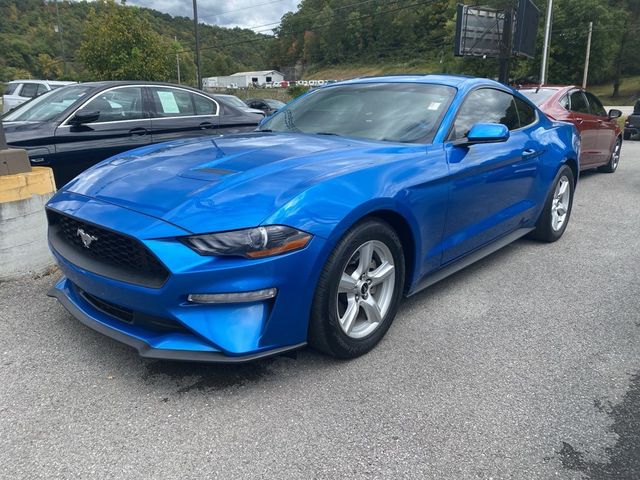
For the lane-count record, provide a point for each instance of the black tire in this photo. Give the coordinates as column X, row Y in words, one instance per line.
column 614, row 160
column 626, row 135
column 544, row 230
column 325, row 332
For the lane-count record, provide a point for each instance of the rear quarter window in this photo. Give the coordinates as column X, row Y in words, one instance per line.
column 11, row 88
column 526, row 113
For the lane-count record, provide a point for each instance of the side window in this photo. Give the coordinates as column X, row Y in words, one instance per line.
column 596, row 105
column 170, row 102
column 579, row 103
column 485, row 106
column 41, row 89
column 117, row 104
column 29, row 90
column 526, row 113
column 11, row 88
column 204, row 106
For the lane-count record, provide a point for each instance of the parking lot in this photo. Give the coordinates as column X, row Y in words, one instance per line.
column 525, row 365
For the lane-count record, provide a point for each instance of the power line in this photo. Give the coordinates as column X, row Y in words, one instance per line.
column 260, row 29
column 316, row 27
column 240, row 9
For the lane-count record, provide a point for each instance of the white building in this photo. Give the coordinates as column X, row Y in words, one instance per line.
column 261, row 77
column 244, row 79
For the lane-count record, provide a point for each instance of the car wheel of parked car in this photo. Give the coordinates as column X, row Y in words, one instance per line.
column 557, row 208
column 359, row 291
column 614, row 160
column 626, row 135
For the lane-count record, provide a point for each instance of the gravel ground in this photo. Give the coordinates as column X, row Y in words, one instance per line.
column 525, row 365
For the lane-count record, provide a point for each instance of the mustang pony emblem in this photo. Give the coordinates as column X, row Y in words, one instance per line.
column 87, row 239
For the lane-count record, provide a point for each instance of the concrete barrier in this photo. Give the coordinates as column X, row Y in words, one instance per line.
column 23, row 225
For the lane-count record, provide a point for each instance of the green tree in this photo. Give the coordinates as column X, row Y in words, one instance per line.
column 119, row 44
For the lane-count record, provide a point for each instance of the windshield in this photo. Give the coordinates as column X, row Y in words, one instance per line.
column 538, row 95
column 48, row 106
column 275, row 104
column 396, row 112
column 234, row 101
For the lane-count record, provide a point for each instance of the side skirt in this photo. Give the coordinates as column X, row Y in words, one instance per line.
column 470, row 258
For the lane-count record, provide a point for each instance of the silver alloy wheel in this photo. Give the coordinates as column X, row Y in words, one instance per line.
column 615, row 156
column 366, row 289
column 560, row 203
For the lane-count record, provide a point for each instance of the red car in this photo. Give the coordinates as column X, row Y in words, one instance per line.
column 600, row 134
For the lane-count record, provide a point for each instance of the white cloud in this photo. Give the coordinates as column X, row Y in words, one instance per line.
column 232, row 13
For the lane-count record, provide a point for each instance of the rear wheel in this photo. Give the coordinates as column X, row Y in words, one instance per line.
column 557, row 208
column 614, row 160
column 358, row 292
column 626, row 135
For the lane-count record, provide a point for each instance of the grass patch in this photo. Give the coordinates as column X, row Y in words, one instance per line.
column 629, row 91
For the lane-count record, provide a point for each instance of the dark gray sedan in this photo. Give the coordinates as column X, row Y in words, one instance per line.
column 75, row 127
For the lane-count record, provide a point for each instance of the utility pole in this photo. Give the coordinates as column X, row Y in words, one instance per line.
column 586, row 60
column 195, row 27
column 59, row 30
column 177, row 60
column 507, row 46
column 547, row 40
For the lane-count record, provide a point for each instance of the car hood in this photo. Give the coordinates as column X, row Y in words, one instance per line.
column 18, row 132
column 221, row 183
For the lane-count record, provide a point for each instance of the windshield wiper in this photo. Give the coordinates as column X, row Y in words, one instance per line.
column 328, row 133
column 266, row 130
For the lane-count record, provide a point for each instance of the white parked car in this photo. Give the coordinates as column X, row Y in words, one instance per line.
column 19, row 91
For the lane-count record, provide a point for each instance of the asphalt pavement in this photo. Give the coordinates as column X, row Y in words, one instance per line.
column 525, row 365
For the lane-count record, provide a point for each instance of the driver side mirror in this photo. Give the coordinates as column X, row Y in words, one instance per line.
column 615, row 113
column 484, row 133
column 83, row 116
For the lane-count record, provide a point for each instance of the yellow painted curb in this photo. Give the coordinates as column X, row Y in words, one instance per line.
column 22, row 186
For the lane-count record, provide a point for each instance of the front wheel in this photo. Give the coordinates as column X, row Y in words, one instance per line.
column 359, row 291
column 557, row 208
column 614, row 160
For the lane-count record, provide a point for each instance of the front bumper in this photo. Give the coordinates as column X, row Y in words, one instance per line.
column 225, row 333
column 62, row 291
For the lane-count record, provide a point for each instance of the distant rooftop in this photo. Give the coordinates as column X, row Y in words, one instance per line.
column 255, row 74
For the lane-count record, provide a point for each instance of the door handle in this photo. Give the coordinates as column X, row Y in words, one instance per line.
column 578, row 119
column 529, row 152
column 138, row 131
column 206, row 125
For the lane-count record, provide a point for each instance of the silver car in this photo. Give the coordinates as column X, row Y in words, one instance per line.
column 19, row 91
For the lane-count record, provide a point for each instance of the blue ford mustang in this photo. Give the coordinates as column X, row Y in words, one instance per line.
column 311, row 229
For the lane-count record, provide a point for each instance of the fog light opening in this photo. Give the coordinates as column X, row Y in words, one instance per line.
column 237, row 297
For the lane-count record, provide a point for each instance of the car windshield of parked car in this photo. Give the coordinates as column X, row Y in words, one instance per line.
column 48, row 106
column 538, row 95
column 234, row 101
column 396, row 112
column 274, row 104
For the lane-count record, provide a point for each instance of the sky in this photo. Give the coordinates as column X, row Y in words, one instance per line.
column 230, row 13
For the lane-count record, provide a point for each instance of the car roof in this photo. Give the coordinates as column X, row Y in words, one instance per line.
column 456, row 81
column 124, row 83
column 550, row 87
column 35, row 80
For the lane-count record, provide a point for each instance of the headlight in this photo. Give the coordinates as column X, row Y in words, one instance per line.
column 252, row 243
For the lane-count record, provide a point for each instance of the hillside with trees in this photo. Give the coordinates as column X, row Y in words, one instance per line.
column 419, row 34
column 31, row 45
column 323, row 38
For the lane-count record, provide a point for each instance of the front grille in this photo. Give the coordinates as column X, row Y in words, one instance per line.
column 108, row 253
column 148, row 322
